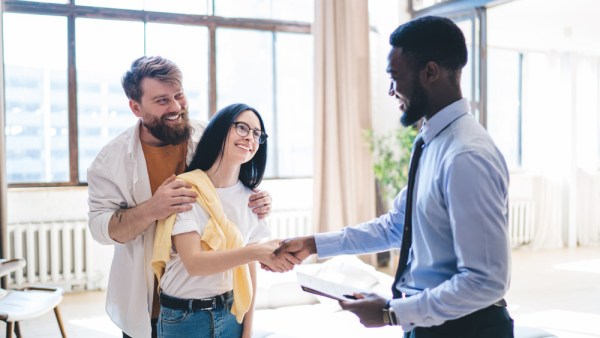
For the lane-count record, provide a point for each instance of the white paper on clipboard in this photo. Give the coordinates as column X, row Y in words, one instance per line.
column 322, row 287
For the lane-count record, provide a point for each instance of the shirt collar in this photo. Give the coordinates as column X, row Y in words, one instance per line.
column 443, row 118
column 134, row 142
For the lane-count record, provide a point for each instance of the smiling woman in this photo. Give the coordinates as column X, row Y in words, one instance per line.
column 228, row 164
column 219, row 140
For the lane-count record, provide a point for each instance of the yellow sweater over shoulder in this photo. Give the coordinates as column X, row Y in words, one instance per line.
column 219, row 234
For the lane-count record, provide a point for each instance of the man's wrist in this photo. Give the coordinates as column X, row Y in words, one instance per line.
column 389, row 316
column 311, row 244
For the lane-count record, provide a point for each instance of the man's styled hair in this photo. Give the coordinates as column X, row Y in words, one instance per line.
column 155, row 67
column 431, row 38
column 213, row 140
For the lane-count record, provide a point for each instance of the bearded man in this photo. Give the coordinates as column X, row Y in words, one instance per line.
column 132, row 184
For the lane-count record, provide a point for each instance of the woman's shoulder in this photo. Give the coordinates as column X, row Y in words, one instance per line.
column 196, row 215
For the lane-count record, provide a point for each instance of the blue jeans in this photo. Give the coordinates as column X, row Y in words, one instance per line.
column 215, row 322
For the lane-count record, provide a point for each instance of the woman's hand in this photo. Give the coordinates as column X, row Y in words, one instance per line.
column 277, row 263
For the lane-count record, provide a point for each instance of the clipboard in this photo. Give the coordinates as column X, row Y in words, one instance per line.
column 325, row 288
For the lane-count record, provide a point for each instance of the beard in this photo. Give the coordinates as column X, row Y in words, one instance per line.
column 415, row 108
column 172, row 135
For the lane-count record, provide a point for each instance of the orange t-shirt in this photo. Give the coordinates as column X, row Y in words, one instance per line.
column 161, row 163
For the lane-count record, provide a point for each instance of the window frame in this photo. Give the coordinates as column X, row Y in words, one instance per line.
column 72, row 11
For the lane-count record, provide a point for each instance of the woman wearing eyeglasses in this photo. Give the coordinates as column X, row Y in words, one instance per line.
column 209, row 280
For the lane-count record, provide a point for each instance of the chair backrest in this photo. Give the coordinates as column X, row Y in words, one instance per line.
column 9, row 265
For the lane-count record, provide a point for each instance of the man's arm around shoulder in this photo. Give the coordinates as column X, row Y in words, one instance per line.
column 111, row 223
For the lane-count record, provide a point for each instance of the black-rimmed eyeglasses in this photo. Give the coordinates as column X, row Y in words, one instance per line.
column 243, row 129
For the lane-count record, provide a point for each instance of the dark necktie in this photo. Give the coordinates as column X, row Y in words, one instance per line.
column 407, row 231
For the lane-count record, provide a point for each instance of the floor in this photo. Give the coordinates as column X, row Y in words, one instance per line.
column 556, row 290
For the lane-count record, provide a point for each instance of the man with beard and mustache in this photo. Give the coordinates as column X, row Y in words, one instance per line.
column 132, row 184
column 452, row 221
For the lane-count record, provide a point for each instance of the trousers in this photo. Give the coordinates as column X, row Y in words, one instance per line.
column 491, row 322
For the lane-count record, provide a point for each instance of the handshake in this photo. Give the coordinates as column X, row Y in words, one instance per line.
column 281, row 256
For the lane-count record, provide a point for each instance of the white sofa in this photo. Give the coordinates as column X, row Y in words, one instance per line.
column 283, row 310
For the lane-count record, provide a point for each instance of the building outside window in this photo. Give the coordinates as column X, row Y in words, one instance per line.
column 63, row 95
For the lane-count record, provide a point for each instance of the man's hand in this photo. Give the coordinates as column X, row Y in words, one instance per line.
column 293, row 250
column 269, row 261
column 368, row 308
column 281, row 263
column 300, row 247
column 260, row 203
column 172, row 196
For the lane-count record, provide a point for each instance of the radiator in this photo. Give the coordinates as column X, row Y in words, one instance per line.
column 291, row 223
column 521, row 222
column 56, row 252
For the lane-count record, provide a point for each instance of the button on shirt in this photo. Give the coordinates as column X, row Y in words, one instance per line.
column 459, row 261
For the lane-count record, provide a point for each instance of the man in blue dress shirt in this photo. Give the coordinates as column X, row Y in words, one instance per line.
column 458, row 268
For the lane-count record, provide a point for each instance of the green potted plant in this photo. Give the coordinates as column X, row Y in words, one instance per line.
column 391, row 157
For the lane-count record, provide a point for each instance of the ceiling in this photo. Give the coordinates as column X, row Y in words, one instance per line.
column 546, row 25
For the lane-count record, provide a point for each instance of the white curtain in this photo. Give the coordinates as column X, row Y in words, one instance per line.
column 344, row 183
column 587, row 110
column 560, row 143
column 546, row 141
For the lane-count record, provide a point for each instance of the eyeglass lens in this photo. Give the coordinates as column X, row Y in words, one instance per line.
column 243, row 129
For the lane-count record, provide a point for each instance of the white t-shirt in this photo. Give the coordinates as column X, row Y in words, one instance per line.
column 176, row 281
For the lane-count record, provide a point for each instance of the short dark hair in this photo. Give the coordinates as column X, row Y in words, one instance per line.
column 155, row 67
column 213, row 140
column 431, row 38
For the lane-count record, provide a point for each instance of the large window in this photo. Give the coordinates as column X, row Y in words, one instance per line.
column 543, row 85
column 504, row 108
column 64, row 99
column 37, row 146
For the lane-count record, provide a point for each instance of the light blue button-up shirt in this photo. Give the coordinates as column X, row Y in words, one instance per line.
column 459, row 261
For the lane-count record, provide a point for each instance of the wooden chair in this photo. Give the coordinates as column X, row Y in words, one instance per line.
column 27, row 303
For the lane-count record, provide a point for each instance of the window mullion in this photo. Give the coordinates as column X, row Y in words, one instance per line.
column 275, row 153
column 72, row 92
column 212, row 64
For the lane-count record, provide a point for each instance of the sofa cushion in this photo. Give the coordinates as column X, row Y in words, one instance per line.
column 348, row 270
column 281, row 289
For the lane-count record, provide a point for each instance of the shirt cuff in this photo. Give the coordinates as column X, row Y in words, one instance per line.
column 328, row 244
column 105, row 222
column 409, row 314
